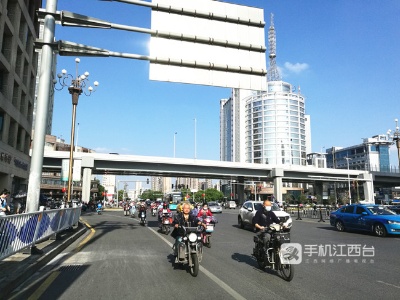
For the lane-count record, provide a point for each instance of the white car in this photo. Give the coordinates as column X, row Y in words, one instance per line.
column 249, row 209
column 231, row 204
column 215, row 207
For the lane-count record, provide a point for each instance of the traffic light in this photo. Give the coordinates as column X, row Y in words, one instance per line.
column 147, row 181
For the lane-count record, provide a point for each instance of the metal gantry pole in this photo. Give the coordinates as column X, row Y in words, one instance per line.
column 45, row 85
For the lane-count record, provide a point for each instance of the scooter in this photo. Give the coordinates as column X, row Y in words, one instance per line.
column 154, row 211
column 190, row 249
column 206, row 233
column 166, row 221
column 99, row 209
column 270, row 255
column 142, row 216
column 132, row 211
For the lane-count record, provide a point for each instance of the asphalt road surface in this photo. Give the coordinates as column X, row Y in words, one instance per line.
column 120, row 259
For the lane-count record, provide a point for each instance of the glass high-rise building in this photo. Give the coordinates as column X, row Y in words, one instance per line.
column 265, row 127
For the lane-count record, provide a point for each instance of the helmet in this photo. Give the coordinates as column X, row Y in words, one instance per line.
column 165, row 205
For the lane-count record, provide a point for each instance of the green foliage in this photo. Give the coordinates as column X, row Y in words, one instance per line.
column 152, row 195
column 210, row 195
column 302, row 198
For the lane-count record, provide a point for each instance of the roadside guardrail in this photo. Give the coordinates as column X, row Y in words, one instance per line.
column 21, row 231
column 319, row 213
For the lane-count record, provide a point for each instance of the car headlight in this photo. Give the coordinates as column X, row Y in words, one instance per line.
column 394, row 222
column 192, row 237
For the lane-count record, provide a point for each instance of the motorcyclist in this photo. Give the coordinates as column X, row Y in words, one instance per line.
column 204, row 212
column 164, row 209
column 184, row 218
column 132, row 208
column 99, row 206
column 263, row 219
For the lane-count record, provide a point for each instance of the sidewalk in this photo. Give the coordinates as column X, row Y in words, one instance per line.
column 19, row 267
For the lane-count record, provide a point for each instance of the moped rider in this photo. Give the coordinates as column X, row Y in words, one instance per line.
column 263, row 219
column 204, row 212
column 184, row 218
column 164, row 209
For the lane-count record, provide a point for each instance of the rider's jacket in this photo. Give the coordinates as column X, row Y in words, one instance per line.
column 265, row 218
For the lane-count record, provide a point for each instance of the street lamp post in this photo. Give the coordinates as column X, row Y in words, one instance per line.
column 76, row 85
column 396, row 139
column 348, row 176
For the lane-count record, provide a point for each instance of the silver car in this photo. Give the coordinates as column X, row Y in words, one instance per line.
column 249, row 209
column 214, row 207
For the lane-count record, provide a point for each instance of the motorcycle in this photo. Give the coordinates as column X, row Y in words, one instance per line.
column 132, row 211
column 126, row 210
column 166, row 221
column 270, row 255
column 154, row 211
column 98, row 209
column 142, row 216
column 190, row 249
column 208, row 230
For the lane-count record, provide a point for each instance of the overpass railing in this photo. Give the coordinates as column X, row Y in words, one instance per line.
column 21, row 231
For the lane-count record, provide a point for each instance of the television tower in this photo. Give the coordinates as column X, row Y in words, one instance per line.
column 273, row 73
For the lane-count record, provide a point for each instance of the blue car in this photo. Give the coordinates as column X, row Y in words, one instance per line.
column 376, row 219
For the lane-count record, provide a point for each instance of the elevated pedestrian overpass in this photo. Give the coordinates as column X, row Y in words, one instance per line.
column 102, row 163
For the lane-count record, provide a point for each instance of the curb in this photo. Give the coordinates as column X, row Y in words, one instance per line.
column 17, row 279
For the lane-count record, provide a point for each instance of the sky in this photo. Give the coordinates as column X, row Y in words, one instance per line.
column 344, row 55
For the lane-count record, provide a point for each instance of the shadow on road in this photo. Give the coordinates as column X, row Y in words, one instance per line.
column 250, row 260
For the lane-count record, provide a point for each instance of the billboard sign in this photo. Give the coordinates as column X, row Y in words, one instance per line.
column 221, row 44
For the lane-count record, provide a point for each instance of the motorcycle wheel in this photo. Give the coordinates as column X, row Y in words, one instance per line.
column 167, row 230
column 262, row 263
column 194, row 268
column 287, row 271
column 208, row 242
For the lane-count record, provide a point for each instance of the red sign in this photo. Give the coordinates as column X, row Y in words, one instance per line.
column 63, row 190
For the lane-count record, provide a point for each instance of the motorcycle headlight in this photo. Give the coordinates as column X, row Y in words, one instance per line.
column 192, row 237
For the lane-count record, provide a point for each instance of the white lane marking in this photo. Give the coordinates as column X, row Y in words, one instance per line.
column 389, row 284
column 214, row 278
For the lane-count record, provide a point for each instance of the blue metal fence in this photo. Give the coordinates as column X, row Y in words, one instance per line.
column 21, row 231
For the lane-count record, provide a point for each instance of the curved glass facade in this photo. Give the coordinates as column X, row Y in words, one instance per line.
column 275, row 126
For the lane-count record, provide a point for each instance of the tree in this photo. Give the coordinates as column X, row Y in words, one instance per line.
column 209, row 195
column 150, row 194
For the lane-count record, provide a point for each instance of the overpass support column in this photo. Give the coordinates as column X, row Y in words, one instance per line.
column 368, row 186
column 277, row 175
column 319, row 189
column 240, row 190
column 87, row 165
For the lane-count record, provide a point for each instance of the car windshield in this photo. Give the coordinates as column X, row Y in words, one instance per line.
column 258, row 205
column 380, row 210
column 212, row 204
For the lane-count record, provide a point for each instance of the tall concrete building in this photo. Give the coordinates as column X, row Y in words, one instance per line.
column 18, row 68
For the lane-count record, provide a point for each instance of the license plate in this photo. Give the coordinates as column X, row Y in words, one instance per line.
column 210, row 228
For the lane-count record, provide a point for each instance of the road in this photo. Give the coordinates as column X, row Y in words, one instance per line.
column 119, row 259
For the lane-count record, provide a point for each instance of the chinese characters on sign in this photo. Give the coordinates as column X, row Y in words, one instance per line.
column 338, row 253
column 294, row 253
